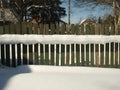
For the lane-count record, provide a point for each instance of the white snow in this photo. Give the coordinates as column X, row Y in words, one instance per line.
column 33, row 77
column 58, row 39
column 83, row 21
column 58, row 78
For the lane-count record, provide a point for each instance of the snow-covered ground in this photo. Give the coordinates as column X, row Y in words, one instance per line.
column 31, row 77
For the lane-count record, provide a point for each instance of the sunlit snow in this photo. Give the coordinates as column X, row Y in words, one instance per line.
column 57, row 77
column 58, row 39
column 31, row 77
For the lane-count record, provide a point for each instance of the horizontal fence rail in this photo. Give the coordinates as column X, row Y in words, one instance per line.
column 64, row 51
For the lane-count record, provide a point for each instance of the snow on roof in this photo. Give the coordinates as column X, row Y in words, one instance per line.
column 87, row 20
column 83, row 21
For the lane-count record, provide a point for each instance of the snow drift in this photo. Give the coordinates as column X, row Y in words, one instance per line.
column 33, row 77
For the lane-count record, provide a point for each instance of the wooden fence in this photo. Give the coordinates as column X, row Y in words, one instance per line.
column 45, row 52
column 30, row 28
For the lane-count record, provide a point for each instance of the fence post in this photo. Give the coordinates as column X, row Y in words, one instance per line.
column 20, row 27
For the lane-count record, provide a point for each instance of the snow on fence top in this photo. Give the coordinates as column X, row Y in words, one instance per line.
column 58, row 39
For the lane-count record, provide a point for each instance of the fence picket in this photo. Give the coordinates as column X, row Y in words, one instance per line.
column 49, row 53
column 104, row 61
column 94, row 54
column 39, row 53
column 54, row 54
column 44, row 54
column 80, row 53
column 60, row 55
column 70, row 61
column 118, row 54
column 10, row 55
column 109, row 53
column 99, row 60
column 16, row 55
column 65, row 54
column 75, row 54
column 21, row 45
column 89, row 54
column 85, row 53
column 114, row 54
column 33, row 51
column 5, row 54
column 28, row 62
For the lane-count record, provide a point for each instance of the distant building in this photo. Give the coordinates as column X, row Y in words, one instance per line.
column 87, row 22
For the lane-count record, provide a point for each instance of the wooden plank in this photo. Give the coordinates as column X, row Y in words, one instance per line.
column 60, row 55
column 28, row 54
column 49, row 53
column 63, row 28
column 39, row 54
column 16, row 55
column 77, row 29
column 46, row 29
column 1, row 29
column 54, row 54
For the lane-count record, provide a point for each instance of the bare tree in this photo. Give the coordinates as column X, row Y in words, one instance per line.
column 115, row 4
column 69, row 12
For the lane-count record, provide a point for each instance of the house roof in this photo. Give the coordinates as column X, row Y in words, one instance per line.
column 87, row 20
column 83, row 21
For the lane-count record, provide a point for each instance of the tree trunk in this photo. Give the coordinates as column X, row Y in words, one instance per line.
column 69, row 16
column 68, row 11
column 115, row 16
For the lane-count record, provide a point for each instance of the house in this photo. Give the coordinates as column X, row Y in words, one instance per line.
column 86, row 22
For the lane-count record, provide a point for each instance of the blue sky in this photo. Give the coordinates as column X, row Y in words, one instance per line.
column 78, row 14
